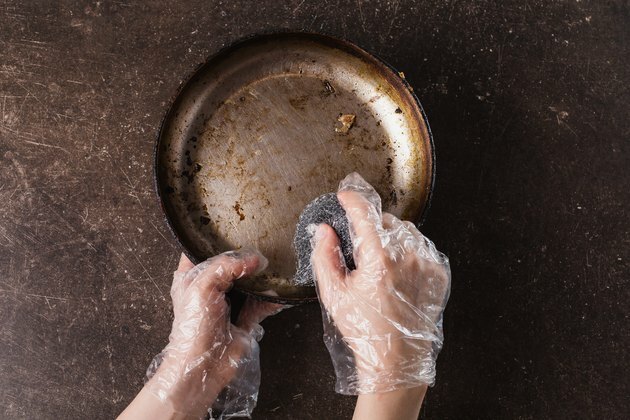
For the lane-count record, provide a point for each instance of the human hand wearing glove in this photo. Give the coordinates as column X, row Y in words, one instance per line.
column 208, row 362
column 383, row 320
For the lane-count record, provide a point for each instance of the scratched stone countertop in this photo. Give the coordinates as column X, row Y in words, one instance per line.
column 528, row 102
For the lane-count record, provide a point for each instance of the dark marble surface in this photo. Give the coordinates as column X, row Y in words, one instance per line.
column 529, row 105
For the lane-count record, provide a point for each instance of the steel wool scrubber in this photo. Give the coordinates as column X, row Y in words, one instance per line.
column 324, row 209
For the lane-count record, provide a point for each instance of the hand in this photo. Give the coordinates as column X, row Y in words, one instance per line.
column 206, row 352
column 382, row 321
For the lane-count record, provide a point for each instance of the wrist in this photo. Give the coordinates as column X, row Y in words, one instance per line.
column 399, row 404
column 401, row 363
column 187, row 390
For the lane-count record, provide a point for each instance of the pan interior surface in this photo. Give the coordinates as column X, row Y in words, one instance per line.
column 255, row 135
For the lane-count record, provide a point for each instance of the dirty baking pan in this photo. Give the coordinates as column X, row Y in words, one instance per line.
column 270, row 123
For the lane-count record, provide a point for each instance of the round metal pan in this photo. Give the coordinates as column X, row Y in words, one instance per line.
column 270, row 123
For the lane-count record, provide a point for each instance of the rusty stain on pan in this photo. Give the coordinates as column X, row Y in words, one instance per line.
column 272, row 122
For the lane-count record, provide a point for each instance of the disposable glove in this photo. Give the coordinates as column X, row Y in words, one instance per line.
column 383, row 320
column 211, row 365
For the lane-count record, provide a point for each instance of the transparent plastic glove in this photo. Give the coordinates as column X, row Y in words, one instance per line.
column 382, row 321
column 211, row 365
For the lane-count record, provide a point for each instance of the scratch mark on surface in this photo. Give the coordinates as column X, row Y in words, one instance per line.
column 110, row 355
column 361, row 17
column 297, row 7
column 33, row 41
column 396, row 5
column 144, row 268
column 133, row 193
column 29, row 94
column 149, row 275
column 161, row 234
column 313, row 21
column 6, row 237
column 46, row 145
column 131, row 282
column 45, row 297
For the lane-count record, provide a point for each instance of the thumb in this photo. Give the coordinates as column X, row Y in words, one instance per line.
column 180, row 284
column 184, row 263
column 327, row 261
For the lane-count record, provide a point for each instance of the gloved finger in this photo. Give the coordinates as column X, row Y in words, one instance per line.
column 411, row 226
column 388, row 221
column 184, row 263
column 392, row 223
column 435, row 272
column 401, row 234
column 365, row 222
column 199, row 268
column 354, row 182
column 179, row 278
column 327, row 261
column 220, row 272
column 254, row 312
column 424, row 247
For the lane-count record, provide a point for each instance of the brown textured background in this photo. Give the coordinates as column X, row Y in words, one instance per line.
column 529, row 105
